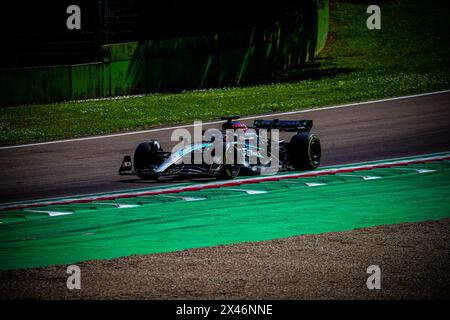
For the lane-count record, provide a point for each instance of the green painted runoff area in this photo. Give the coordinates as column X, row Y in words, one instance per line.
column 63, row 234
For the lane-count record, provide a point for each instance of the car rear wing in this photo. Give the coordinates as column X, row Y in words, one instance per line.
column 284, row 125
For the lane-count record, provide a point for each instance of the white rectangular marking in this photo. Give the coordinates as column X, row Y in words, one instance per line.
column 51, row 213
column 357, row 176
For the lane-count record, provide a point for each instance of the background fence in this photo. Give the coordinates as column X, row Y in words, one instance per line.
column 186, row 62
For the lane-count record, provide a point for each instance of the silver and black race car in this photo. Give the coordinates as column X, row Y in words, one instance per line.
column 235, row 150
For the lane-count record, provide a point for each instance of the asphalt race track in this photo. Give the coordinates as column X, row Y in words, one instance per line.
column 372, row 131
column 413, row 257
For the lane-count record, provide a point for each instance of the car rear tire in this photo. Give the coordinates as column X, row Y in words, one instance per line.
column 146, row 156
column 228, row 170
column 305, row 151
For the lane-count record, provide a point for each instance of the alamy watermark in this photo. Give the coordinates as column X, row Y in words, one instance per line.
column 374, row 20
column 74, row 280
column 74, row 20
column 374, row 280
column 245, row 146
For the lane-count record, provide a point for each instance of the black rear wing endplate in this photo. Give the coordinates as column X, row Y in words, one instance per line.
column 284, row 125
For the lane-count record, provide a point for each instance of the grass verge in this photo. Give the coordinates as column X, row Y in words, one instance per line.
column 410, row 54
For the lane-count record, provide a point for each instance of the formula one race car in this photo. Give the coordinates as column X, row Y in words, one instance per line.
column 236, row 150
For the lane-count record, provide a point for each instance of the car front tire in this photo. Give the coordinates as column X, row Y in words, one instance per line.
column 305, row 151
